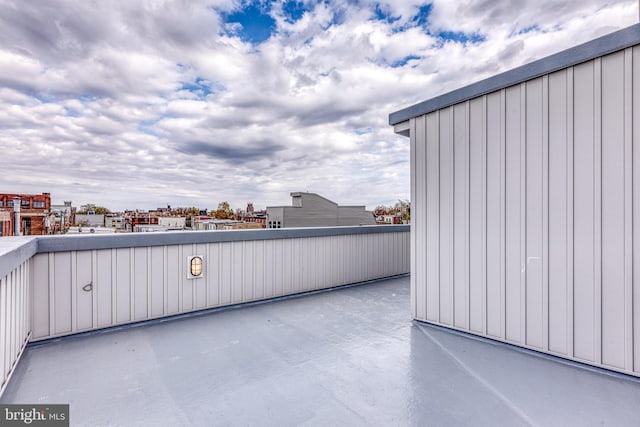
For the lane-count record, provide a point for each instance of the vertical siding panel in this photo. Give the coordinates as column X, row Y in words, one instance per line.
column 149, row 278
column 545, row 212
column 317, row 262
column 493, row 223
column 460, row 208
column 52, row 293
column 570, row 213
column 103, row 287
column 534, row 213
column 309, row 263
column 445, row 214
column 123, row 285
column 523, row 213
column 200, row 285
column 613, row 211
column 278, row 274
column 558, row 199
column 4, row 319
column 326, row 261
column 95, row 289
column 467, row 214
column 304, row 261
column 503, row 213
column 287, row 266
column 157, row 281
column 225, row 273
column 269, row 268
column 597, row 121
column 114, row 286
column 140, row 287
column 40, row 295
column 62, row 297
column 187, row 285
column 337, row 259
column 132, row 282
column 259, row 271
column 249, row 270
column 173, row 279
column 213, row 275
column 584, row 220
column 418, row 226
column 628, row 209
column 180, row 266
column 635, row 107
column 379, row 262
column 432, row 210
column 165, row 279
column 476, row 247
column 328, row 273
column 483, row 221
column 298, row 267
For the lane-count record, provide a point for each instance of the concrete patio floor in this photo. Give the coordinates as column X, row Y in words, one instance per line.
column 351, row 356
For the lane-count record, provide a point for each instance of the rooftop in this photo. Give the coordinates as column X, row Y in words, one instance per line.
column 351, row 356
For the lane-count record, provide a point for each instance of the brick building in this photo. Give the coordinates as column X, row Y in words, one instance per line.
column 34, row 214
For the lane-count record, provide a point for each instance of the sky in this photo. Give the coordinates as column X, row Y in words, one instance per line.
column 141, row 104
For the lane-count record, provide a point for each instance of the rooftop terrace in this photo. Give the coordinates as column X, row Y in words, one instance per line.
column 350, row 356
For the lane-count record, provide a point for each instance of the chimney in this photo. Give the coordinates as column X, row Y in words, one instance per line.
column 16, row 211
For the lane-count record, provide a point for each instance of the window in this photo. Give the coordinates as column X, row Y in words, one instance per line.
column 10, row 203
column 1, row 203
column 25, row 203
column 38, row 204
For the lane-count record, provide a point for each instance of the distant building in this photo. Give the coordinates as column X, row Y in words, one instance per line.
column 115, row 221
column 251, row 215
column 173, row 222
column 312, row 210
column 62, row 216
column 32, row 213
column 209, row 223
column 90, row 220
column 390, row 219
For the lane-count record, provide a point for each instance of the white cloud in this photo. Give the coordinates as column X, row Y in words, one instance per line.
column 139, row 104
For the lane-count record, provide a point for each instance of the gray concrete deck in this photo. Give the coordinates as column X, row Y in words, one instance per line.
column 345, row 357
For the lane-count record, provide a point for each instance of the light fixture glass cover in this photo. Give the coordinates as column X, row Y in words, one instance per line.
column 195, row 266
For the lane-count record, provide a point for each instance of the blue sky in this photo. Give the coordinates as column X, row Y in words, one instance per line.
column 142, row 104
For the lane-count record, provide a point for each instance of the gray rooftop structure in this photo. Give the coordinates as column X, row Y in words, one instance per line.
column 346, row 357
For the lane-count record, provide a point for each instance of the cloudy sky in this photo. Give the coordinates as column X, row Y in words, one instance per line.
column 140, row 104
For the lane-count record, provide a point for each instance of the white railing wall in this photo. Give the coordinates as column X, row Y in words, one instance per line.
column 15, row 312
column 132, row 278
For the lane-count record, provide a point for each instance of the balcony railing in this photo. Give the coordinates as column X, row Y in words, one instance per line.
column 56, row 286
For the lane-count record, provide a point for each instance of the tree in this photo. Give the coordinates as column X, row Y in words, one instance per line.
column 404, row 208
column 90, row 207
column 224, row 211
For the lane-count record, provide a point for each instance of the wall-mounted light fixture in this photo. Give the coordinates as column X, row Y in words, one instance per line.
column 195, row 266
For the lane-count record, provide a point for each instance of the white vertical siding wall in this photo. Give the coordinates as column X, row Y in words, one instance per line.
column 15, row 310
column 76, row 291
column 526, row 213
